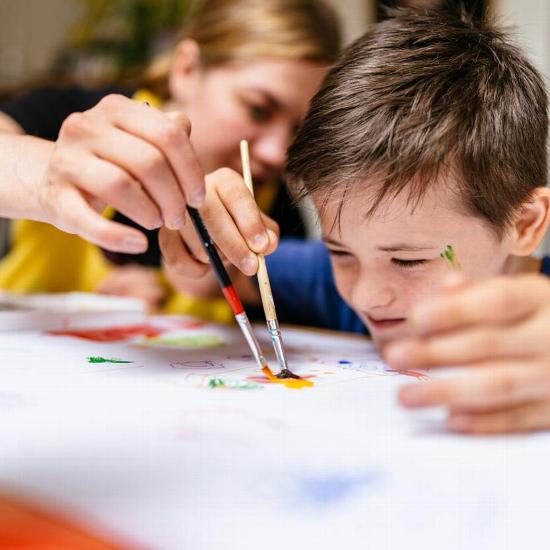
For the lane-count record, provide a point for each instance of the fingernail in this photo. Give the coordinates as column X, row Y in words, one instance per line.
column 179, row 223
column 412, row 396
column 196, row 199
column 459, row 422
column 134, row 244
column 158, row 224
column 249, row 264
column 260, row 241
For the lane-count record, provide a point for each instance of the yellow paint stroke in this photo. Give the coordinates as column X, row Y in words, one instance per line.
column 291, row 383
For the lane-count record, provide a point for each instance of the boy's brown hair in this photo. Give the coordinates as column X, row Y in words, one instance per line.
column 420, row 95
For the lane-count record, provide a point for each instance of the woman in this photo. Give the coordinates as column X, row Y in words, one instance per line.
column 245, row 69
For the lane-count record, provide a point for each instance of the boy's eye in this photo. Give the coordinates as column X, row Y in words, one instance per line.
column 259, row 113
column 407, row 263
column 338, row 253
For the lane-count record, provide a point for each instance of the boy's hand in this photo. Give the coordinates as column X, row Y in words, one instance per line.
column 123, row 154
column 235, row 223
column 500, row 330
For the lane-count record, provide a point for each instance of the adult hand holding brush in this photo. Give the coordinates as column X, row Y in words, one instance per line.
column 120, row 153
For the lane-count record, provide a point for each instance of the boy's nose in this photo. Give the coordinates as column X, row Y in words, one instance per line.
column 370, row 294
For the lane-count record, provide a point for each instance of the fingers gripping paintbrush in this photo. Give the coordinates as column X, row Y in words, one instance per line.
column 265, row 286
column 227, row 286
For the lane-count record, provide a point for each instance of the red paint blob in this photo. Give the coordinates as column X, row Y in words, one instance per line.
column 111, row 334
column 188, row 323
column 413, row 373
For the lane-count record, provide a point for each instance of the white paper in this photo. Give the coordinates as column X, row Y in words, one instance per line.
column 148, row 450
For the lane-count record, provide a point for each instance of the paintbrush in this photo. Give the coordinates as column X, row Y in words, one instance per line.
column 227, row 287
column 265, row 286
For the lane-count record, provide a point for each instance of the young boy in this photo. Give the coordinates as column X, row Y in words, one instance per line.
column 430, row 131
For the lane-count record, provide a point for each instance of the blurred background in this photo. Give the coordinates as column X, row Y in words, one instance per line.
column 97, row 41
column 94, row 42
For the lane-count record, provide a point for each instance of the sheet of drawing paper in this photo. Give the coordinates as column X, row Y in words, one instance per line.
column 168, row 434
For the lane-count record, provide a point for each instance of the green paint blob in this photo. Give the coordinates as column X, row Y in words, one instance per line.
column 450, row 257
column 198, row 341
column 220, row 383
column 106, row 360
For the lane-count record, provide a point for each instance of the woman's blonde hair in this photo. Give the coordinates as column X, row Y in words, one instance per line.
column 232, row 31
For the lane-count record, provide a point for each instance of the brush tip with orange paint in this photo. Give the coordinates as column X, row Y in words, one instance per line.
column 295, row 383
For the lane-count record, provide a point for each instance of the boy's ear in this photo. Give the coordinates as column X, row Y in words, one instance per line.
column 531, row 222
column 184, row 70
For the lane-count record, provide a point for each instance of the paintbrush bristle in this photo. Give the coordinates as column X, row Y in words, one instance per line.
column 286, row 373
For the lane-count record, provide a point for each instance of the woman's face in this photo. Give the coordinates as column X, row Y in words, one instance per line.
column 262, row 101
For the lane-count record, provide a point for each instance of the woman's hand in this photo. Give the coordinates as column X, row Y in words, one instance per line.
column 126, row 155
column 499, row 330
column 235, row 223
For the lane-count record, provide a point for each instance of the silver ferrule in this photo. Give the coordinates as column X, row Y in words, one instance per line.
column 277, row 339
column 251, row 339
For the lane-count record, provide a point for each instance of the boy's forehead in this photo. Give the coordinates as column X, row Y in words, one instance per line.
column 402, row 216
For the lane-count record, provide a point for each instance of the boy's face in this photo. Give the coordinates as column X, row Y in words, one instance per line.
column 391, row 261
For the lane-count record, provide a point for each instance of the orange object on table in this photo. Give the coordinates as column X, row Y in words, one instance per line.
column 24, row 526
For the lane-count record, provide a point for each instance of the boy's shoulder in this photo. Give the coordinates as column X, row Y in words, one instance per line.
column 545, row 266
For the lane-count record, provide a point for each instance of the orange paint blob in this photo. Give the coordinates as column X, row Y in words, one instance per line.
column 292, row 383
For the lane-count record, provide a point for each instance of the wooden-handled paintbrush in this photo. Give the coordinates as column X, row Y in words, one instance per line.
column 265, row 286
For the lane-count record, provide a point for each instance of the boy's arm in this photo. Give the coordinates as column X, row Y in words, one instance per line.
column 499, row 330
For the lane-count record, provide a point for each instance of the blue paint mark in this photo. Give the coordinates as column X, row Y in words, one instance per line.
column 344, row 362
column 334, row 488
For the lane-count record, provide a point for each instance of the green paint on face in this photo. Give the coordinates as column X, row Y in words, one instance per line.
column 450, row 257
column 106, row 360
column 220, row 383
column 198, row 341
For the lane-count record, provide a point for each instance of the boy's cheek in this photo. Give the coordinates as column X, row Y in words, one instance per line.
column 406, row 293
column 344, row 280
